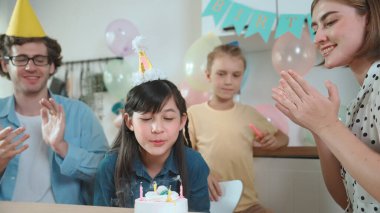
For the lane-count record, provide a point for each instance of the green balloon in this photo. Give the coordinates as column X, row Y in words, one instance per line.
column 118, row 78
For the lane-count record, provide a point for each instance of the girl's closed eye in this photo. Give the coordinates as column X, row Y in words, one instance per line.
column 145, row 118
column 169, row 116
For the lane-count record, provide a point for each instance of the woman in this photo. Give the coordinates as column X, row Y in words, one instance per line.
column 346, row 34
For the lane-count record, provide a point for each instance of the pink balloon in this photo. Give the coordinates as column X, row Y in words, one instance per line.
column 289, row 52
column 119, row 36
column 274, row 116
column 192, row 96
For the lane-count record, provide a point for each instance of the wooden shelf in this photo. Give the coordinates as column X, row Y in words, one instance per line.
column 288, row 152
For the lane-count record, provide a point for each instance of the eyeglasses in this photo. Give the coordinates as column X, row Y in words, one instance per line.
column 23, row 60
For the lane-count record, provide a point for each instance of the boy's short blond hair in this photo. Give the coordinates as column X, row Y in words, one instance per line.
column 225, row 49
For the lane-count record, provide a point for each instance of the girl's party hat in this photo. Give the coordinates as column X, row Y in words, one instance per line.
column 146, row 70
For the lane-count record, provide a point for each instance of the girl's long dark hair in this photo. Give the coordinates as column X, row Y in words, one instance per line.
column 150, row 96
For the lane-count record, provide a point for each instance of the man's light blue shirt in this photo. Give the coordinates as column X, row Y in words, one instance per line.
column 72, row 177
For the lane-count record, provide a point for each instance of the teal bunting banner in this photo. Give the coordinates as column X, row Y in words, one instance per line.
column 255, row 21
column 237, row 17
column 262, row 23
column 290, row 23
column 217, row 9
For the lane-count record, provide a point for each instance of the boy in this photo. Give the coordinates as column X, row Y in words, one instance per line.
column 219, row 129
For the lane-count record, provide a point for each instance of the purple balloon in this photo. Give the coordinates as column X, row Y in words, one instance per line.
column 119, row 36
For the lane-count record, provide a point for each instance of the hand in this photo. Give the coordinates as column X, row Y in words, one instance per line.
column 268, row 141
column 8, row 147
column 264, row 140
column 256, row 131
column 53, row 126
column 304, row 105
column 213, row 187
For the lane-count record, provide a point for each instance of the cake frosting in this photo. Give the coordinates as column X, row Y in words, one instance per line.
column 162, row 200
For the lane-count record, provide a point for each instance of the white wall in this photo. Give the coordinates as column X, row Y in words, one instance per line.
column 287, row 185
column 5, row 11
column 170, row 27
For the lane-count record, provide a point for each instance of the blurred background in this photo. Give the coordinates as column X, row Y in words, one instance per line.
column 96, row 35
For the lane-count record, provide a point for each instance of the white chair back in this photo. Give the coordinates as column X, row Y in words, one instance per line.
column 231, row 192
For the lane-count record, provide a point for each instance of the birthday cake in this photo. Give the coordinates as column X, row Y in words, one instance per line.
column 162, row 200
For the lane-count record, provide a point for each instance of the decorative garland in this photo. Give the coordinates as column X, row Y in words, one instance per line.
column 240, row 16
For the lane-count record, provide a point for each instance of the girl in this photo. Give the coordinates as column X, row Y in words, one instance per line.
column 150, row 149
column 347, row 33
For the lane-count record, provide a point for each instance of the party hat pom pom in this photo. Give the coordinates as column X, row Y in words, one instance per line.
column 137, row 43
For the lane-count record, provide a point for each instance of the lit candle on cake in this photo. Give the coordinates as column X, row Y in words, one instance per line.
column 154, row 186
column 180, row 186
column 169, row 198
column 141, row 191
column 180, row 189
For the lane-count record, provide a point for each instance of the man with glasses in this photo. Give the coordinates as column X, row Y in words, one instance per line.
column 50, row 146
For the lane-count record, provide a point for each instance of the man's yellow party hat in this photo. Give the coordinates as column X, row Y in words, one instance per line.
column 24, row 22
